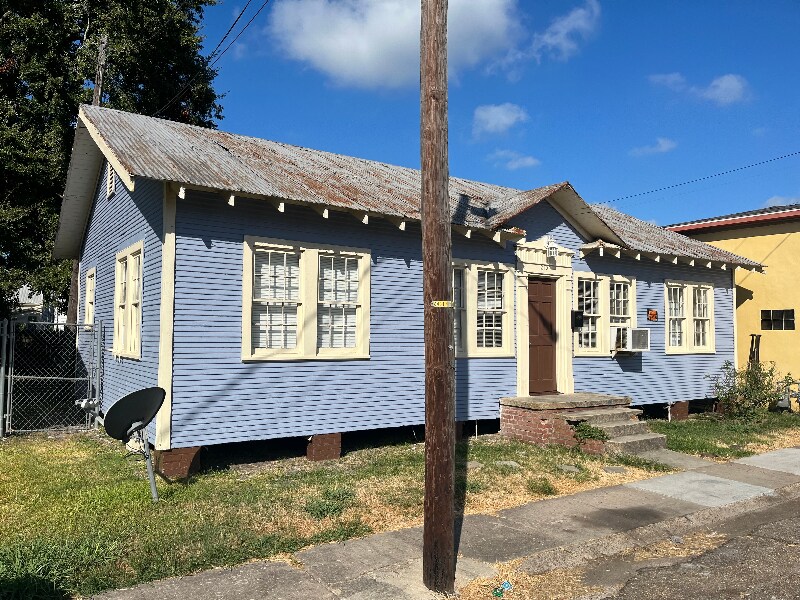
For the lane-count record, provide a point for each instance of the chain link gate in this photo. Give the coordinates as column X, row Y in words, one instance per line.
column 45, row 370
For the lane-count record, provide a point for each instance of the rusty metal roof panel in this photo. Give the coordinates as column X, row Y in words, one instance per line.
column 166, row 150
column 645, row 237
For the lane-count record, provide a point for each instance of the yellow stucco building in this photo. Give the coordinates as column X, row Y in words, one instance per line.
column 766, row 303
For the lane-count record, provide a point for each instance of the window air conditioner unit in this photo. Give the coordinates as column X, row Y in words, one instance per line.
column 630, row 339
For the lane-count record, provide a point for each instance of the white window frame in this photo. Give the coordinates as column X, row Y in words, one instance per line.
column 127, row 306
column 306, row 347
column 460, row 310
column 470, row 348
column 604, row 320
column 687, row 290
column 89, row 293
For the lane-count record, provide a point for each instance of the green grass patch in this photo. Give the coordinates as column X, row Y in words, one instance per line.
column 330, row 503
column 715, row 436
column 541, row 486
column 639, row 462
column 76, row 515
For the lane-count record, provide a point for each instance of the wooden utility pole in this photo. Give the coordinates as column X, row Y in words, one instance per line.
column 438, row 553
column 72, row 303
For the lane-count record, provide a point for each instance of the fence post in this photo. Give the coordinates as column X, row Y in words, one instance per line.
column 98, row 363
column 3, row 355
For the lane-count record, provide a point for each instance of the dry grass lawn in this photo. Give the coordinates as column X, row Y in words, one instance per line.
column 76, row 515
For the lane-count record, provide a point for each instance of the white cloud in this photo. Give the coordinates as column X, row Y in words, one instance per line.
column 661, row 146
column 722, row 91
column 375, row 43
column 673, row 81
column 725, row 90
column 561, row 39
column 513, row 160
column 497, row 118
column 781, row 201
column 760, row 131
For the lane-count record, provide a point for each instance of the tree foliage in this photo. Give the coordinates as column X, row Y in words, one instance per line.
column 48, row 59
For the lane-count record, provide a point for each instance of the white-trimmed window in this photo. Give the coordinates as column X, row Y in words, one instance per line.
column 338, row 305
column 302, row 301
column 88, row 296
column 276, row 295
column 128, row 302
column 111, row 181
column 459, row 309
column 483, row 303
column 606, row 301
column 690, row 317
column 589, row 303
column 491, row 309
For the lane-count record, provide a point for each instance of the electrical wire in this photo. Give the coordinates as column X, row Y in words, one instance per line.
column 697, row 180
column 227, row 33
column 214, row 59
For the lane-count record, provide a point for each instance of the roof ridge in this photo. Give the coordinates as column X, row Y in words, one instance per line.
column 768, row 210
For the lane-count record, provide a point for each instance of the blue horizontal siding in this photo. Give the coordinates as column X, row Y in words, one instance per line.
column 649, row 377
column 113, row 225
column 218, row 398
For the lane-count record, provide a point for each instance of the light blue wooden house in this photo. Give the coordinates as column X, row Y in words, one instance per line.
column 276, row 291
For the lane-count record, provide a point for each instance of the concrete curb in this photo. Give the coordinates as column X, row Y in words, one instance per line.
column 574, row 555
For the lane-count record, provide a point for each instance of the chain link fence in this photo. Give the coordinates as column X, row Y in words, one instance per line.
column 46, row 369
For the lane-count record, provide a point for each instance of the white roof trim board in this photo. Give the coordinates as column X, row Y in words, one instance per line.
column 232, row 165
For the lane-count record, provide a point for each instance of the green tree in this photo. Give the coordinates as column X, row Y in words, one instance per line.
column 48, row 59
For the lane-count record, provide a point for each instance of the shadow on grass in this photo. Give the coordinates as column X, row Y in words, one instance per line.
column 31, row 587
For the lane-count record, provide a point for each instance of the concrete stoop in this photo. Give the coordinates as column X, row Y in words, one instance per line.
column 626, row 433
column 550, row 419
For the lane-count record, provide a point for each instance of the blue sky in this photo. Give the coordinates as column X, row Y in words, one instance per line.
column 617, row 97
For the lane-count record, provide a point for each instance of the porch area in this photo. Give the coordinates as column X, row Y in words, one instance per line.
column 556, row 418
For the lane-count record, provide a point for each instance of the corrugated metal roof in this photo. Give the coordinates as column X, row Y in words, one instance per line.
column 170, row 151
column 645, row 237
column 207, row 158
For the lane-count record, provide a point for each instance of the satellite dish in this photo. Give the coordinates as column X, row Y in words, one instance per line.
column 130, row 416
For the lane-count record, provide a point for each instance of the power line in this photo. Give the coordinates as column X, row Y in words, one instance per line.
column 675, row 185
column 227, row 33
column 219, row 56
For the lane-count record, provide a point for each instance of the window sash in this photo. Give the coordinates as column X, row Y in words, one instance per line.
column 276, row 293
column 338, row 301
column 459, row 309
column 128, row 304
column 589, row 304
column 619, row 303
column 491, row 308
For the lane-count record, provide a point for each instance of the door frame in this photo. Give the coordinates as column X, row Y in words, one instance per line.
column 532, row 261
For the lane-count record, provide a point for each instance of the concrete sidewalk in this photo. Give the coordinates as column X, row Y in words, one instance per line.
column 559, row 532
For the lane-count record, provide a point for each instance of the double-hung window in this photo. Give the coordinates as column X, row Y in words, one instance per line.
column 128, row 302
column 276, row 298
column 88, row 296
column 460, row 309
column 304, row 301
column 489, row 326
column 337, row 309
column 589, row 303
column 607, row 302
column 690, row 317
column 483, row 301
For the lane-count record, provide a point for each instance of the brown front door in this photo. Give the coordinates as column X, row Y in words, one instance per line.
column 542, row 335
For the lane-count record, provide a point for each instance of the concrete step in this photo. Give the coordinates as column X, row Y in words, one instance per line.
column 603, row 415
column 634, row 444
column 615, row 429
